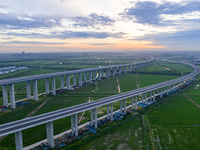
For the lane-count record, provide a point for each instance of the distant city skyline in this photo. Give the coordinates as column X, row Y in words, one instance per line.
column 100, row 25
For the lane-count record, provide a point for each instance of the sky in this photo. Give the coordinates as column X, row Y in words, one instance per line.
column 99, row 25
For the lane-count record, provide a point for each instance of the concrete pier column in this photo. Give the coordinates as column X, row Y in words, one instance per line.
column 94, row 75
column 62, row 82
column 167, row 90
column 114, row 71
column 124, row 69
column 125, row 106
column 68, row 82
column 18, row 140
column 53, row 84
column 12, row 96
column 120, row 70
column 90, row 77
column 142, row 97
column 107, row 73
column 121, row 105
column 145, row 98
column 72, row 124
column 28, row 90
column 74, row 79
column 154, row 97
column 132, row 102
column 85, row 77
column 95, row 117
column 111, row 111
column 161, row 92
column 92, row 120
column 5, row 95
column 135, row 102
column 150, row 95
column 164, row 89
column 158, row 92
column 99, row 75
column 50, row 134
column 129, row 68
column 108, row 112
column 80, row 79
column 35, row 90
column 76, row 125
column 47, row 85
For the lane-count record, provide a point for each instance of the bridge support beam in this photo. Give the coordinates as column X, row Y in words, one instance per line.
column 95, row 117
column 18, row 140
column 68, row 82
column 125, row 106
column 74, row 80
column 94, row 75
column 72, row 124
column 50, row 134
column 154, row 98
column 53, row 84
column 85, row 77
column 142, row 97
column 114, row 71
column 28, row 90
column 150, row 95
column 62, row 82
column 124, row 69
column 111, row 111
column 161, row 92
column 80, row 79
column 90, row 77
column 12, row 96
column 5, row 95
column 135, row 102
column 108, row 111
column 92, row 120
column 107, row 73
column 47, row 85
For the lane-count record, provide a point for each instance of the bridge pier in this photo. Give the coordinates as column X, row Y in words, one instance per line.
column 135, row 102
column 53, row 84
column 121, row 105
column 124, row 69
column 94, row 75
column 95, row 117
column 90, row 77
column 72, row 124
column 150, row 96
column 132, row 102
column 99, row 75
column 92, row 120
column 18, row 140
column 47, row 85
column 62, row 82
column 28, row 90
column 50, row 134
column 154, row 95
column 120, row 70
column 142, row 97
column 12, row 96
column 145, row 98
column 74, row 79
column 85, row 77
column 5, row 95
column 125, row 106
column 80, row 79
column 161, row 92
column 107, row 73
column 108, row 112
column 114, row 71
column 111, row 111
column 68, row 82
column 76, row 125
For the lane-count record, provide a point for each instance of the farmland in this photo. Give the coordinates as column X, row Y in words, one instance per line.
column 96, row 90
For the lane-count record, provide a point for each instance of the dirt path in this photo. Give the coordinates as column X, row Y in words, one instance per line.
column 150, row 134
column 118, row 85
column 81, row 116
column 191, row 100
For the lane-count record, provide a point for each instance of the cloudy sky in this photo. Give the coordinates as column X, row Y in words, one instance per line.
column 99, row 25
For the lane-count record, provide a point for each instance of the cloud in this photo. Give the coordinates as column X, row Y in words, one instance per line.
column 14, row 21
column 99, row 44
column 68, row 35
column 92, row 20
column 147, row 12
column 33, row 43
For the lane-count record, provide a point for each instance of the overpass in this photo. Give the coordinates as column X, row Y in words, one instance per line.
column 48, row 118
column 92, row 76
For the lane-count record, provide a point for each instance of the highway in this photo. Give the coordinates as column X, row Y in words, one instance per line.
column 20, row 125
column 50, row 75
